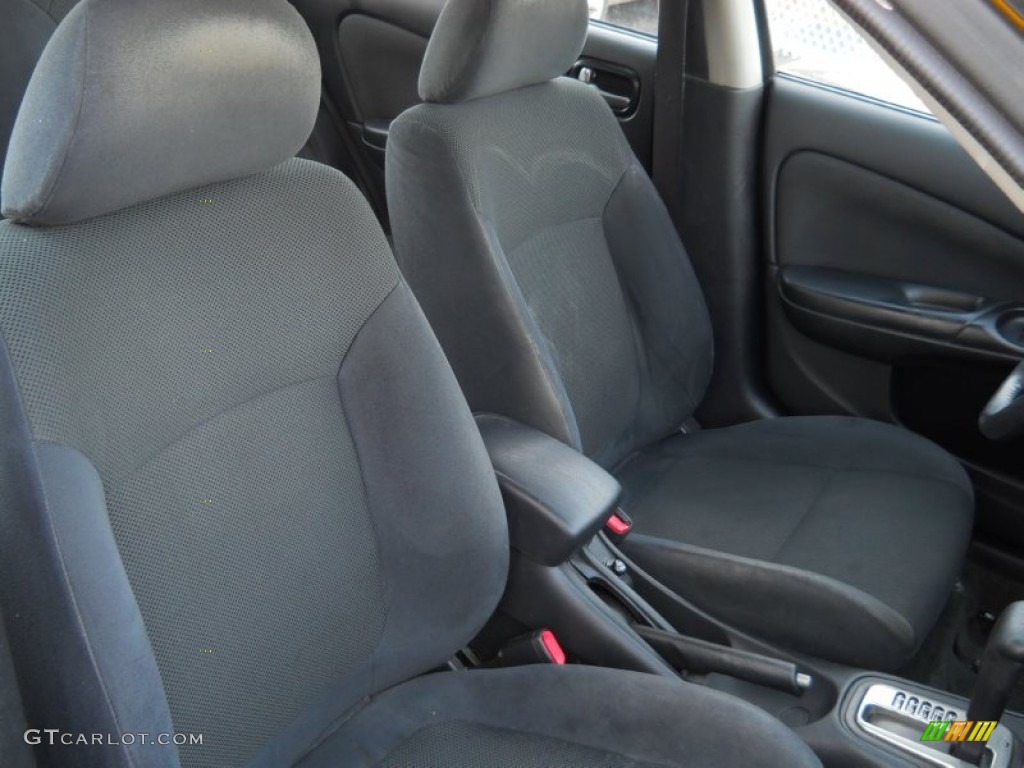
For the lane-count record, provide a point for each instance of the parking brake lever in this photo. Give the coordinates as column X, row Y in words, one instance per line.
column 1002, row 663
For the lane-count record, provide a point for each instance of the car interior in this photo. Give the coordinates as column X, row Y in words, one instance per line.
column 496, row 383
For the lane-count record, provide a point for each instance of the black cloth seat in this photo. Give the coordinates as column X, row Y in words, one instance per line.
column 846, row 534
column 242, row 498
column 562, row 295
column 556, row 718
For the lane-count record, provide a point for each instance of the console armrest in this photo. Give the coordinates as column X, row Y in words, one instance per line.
column 556, row 498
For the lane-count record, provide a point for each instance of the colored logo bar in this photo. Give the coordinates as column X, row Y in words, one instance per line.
column 959, row 730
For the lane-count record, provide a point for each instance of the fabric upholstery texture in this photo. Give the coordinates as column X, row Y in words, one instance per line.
column 176, row 329
column 458, row 744
column 227, row 67
column 531, row 209
column 545, row 715
column 483, row 47
column 564, row 299
column 310, row 534
column 129, row 347
column 17, row 754
column 883, row 515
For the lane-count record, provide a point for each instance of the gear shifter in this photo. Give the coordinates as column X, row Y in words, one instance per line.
column 1001, row 665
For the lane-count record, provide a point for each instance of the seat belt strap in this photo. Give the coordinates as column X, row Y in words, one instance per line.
column 669, row 92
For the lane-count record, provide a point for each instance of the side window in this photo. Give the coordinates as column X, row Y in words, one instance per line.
column 638, row 15
column 812, row 41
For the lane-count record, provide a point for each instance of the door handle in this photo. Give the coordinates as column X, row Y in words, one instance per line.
column 375, row 134
column 618, row 86
column 889, row 319
column 617, row 102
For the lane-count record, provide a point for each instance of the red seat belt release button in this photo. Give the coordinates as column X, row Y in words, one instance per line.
column 619, row 524
column 537, row 647
column 552, row 648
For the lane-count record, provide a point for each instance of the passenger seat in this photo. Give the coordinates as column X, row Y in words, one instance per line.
column 560, row 291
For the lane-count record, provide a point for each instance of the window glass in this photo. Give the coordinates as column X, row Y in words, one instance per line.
column 811, row 40
column 639, row 15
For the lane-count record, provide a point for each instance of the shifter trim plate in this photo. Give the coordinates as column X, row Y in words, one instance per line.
column 905, row 704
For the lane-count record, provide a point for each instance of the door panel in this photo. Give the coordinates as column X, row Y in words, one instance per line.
column 895, row 280
column 381, row 63
column 371, row 52
column 824, row 204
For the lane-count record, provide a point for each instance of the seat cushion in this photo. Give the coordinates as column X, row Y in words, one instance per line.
column 835, row 536
column 558, row 717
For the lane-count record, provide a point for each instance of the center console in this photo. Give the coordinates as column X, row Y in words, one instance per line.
column 568, row 575
column 900, row 714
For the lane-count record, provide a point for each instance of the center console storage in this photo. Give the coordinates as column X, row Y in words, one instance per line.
column 555, row 497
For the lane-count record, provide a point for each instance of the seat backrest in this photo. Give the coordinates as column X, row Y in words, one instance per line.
column 535, row 241
column 239, row 488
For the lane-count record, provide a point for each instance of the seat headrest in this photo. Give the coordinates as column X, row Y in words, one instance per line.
column 485, row 47
column 136, row 99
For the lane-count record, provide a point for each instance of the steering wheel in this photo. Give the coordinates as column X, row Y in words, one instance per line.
column 1003, row 417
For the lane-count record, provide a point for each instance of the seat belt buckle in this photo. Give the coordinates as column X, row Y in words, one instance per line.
column 618, row 525
column 539, row 647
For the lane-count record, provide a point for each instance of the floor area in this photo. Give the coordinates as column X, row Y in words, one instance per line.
column 947, row 659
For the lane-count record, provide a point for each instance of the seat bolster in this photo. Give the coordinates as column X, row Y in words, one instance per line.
column 798, row 609
column 81, row 651
column 430, row 488
column 454, row 265
column 666, row 303
column 643, row 718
